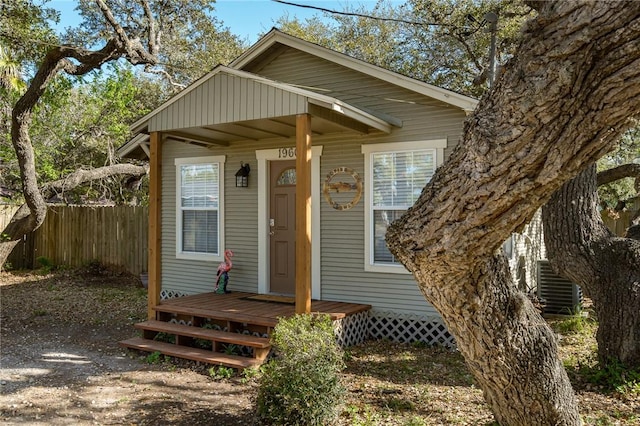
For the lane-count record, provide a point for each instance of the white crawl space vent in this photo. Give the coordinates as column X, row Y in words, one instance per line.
column 562, row 297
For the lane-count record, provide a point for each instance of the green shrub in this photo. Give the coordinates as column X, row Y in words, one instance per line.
column 221, row 372
column 614, row 376
column 46, row 264
column 301, row 385
column 154, row 358
column 576, row 323
column 165, row 337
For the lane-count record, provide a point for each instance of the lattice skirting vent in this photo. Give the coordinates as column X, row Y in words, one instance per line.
column 407, row 328
column 352, row 330
column 170, row 294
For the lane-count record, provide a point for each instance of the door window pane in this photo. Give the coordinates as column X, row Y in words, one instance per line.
column 287, row 177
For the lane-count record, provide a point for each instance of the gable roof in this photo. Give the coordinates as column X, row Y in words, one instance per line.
column 274, row 38
column 231, row 103
column 299, row 102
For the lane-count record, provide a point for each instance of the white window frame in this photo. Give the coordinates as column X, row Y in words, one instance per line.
column 437, row 145
column 264, row 157
column 188, row 161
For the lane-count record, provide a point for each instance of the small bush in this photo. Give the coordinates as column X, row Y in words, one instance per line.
column 165, row 337
column 615, row 376
column 154, row 358
column 301, row 385
column 46, row 264
column 221, row 372
column 576, row 323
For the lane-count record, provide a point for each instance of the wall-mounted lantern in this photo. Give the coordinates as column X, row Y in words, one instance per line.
column 242, row 176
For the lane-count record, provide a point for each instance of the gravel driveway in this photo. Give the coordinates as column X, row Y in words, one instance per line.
column 60, row 363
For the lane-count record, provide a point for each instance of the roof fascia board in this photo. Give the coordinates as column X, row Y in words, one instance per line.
column 138, row 140
column 354, row 113
column 463, row 102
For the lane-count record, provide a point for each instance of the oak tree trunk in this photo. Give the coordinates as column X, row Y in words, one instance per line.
column 72, row 61
column 559, row 104
column 581, row 248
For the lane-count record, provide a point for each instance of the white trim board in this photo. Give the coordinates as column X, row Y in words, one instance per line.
column 181, row 161
column 264, row 156
column 438, row 145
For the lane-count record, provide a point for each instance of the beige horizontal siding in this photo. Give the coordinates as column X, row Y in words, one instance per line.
column 342, row 232
column 241, row 216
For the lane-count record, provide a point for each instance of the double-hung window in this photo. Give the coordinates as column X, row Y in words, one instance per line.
column 395, row 174
column 199, row 207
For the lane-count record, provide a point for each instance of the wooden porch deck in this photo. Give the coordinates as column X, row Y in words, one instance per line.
column 239, row 307
column 226, row 320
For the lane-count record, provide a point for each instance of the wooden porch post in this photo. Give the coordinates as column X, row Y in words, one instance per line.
column 303, row 214
column 155, row 238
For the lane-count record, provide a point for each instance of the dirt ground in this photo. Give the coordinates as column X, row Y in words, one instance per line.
column 60, row 365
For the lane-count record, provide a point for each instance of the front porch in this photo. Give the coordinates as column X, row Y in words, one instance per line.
column 237, row 325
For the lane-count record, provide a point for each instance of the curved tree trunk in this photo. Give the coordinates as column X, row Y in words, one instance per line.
column 560, row 104
column 73, row 61
column 581, row 248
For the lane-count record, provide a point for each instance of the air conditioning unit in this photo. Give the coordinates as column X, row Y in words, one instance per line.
column 562, row 297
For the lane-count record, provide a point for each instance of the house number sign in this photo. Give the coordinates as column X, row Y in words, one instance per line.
column 342, row 194
column 286, row 153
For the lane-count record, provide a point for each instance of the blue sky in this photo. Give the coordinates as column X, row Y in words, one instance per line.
column 246, row 18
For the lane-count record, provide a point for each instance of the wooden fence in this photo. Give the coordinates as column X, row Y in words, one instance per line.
column 75, row 235
column 620, row 224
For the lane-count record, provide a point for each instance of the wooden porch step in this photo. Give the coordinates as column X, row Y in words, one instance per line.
column 193, row 354
column 205, row 333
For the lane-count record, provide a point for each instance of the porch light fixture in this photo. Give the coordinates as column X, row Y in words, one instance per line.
column 242, row 176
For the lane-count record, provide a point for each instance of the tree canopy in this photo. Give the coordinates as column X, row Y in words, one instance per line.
column 69, row 104
column 81, row 120
column 443, row 42
column 614, row 194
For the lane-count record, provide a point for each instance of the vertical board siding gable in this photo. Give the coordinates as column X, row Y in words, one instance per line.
column 227, row 99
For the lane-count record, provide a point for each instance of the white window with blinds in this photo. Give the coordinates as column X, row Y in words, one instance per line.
column 395, row 175
column 199, row 208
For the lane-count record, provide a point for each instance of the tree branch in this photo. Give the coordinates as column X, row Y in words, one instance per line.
column 82, row 176
column 624, row 171
column 166, row 75
column 154, row 36
column 136, row 54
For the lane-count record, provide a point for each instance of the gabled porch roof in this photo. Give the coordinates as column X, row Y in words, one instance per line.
column 228, row 105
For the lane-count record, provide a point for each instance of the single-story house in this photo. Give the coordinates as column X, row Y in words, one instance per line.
column 296, row 158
